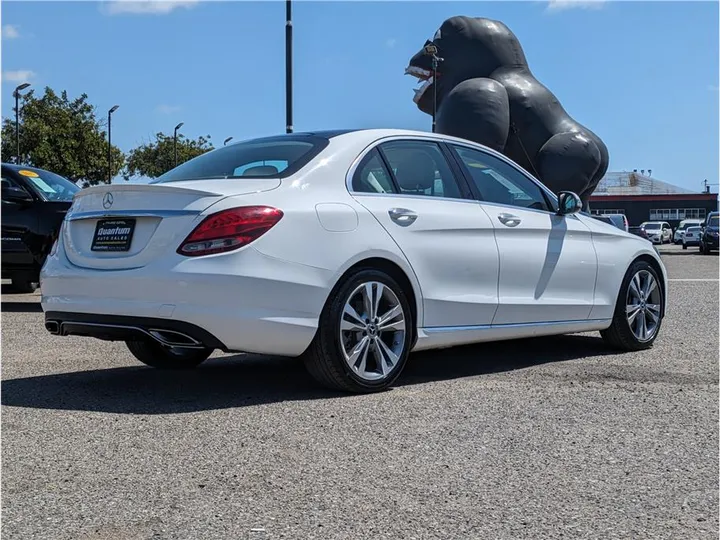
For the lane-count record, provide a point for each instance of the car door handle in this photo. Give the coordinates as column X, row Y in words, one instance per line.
column 402, row 216
column 509, row 220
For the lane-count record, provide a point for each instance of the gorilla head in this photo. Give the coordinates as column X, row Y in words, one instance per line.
column 469, row 48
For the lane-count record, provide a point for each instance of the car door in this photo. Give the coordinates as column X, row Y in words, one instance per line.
column 19, row 222
column 410, row 188
column 548, row 263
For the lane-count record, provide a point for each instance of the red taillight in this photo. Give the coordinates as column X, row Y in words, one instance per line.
column 229, row 229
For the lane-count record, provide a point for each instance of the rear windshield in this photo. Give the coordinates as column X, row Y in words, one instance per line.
column 713, row 222
column 652, row 225
column 275, row 157
column 694, row 229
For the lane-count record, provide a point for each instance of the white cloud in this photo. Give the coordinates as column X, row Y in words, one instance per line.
column 559, row 5
column 152, row 7
column 167, row 109
column 390, row 43
column 20, row 75
column 10, row 32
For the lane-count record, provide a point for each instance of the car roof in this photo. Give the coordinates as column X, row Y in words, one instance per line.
column 15, row 167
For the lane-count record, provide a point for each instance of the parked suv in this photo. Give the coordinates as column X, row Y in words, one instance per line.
column 34, row 204
column 659, row 232
column 709, row 236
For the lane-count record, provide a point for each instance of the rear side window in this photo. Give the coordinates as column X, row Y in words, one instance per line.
column 372, row 176
column 273, row 157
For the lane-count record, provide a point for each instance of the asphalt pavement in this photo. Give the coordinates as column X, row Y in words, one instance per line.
column 538, row 439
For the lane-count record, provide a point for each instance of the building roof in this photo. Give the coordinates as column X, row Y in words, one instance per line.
column 633, row 183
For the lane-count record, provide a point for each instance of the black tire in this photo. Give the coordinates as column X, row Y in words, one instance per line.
column 325, row 359
column 155, row 355
column 619, row 335
column 23, row 286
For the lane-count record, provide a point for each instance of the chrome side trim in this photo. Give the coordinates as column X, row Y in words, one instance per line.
column 509, row 325
column 131, row 213
column 440, row 337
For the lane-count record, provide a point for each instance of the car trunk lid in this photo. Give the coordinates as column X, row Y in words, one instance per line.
column 127, row 226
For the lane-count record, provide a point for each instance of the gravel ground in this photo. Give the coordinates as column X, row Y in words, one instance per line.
column 545, row 438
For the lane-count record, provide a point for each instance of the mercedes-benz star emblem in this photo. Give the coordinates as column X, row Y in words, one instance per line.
column 107, row 200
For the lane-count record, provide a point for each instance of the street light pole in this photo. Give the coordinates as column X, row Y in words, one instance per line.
column 16, row 93
column 288, row 67
column 109, row 157
column 227, row 140
column 175, row 141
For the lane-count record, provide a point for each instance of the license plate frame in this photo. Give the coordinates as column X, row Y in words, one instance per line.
column 117, row 235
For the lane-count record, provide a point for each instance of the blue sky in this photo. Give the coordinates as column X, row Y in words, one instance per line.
column 642, row 75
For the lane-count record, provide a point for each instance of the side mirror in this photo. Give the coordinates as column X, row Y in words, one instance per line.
column 15, row 194
column 568, row 203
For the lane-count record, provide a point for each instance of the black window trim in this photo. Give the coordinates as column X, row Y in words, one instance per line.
column 476, row 192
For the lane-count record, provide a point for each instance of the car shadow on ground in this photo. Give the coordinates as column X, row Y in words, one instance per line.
column 246, row 380
column 21, row 307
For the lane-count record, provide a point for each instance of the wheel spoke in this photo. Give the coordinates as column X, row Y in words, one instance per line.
column 355, row 323
column 389, row 355
column 650, row 285
column 635, row 286
column 654, row 316
column 379, row 292
column 396, row 326
column 632, row 311
column 643, row 325
column 379, row 357
column 367, row 296
column 360, row 353
column 390, row 315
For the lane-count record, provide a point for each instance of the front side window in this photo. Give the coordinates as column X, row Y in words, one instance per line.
column 273, row 157
column 713, row 222
column 420, row 168
column 498, row 182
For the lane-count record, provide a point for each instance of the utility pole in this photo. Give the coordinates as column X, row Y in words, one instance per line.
column 109, row 156
column 288, row 67
column 16, row 93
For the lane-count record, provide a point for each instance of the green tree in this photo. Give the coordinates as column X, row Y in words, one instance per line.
column 62, row 136
column 157, row 157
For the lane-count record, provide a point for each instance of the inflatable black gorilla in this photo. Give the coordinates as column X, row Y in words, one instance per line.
column 487, row 94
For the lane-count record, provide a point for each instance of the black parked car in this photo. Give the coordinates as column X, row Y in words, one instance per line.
column 709, row 236
column 34, row 204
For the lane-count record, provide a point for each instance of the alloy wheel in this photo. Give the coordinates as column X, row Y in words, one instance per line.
column 643, row 305
column 372, row 331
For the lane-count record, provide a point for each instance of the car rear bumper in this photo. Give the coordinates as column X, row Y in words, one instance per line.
column 264, row 306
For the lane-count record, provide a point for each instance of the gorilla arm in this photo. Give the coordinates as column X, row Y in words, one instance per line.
column 569, row 161
column 477, row 110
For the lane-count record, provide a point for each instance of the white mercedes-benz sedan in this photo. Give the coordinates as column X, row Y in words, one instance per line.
column 348, row 249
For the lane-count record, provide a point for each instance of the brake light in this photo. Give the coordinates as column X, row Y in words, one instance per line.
column 229, row 229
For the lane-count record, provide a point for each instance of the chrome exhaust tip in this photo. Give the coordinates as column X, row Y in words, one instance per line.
column 171, row 338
